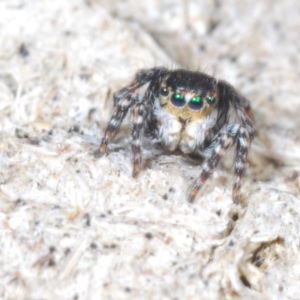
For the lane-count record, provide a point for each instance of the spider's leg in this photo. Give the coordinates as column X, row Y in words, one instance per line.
column 137, row 129
column 241, row 105
column 245, row 136
column 240, row 162
column 122, row 104
column 123, row 100
column 224, row 140
column 246, row 116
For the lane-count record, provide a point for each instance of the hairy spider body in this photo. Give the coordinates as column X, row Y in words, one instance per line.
column 187, row 111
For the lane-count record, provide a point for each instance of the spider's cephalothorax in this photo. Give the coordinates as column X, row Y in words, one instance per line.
column 187, row 111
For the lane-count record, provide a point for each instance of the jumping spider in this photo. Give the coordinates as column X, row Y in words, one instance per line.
column 187, row 111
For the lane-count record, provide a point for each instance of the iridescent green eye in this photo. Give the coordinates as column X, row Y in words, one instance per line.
column 164, row 92
column 210, row 99
column 178, row 99
column 196, row 102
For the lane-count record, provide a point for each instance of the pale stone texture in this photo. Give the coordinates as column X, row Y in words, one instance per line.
column 76, row 227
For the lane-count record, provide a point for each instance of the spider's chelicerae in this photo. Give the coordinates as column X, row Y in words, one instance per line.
column 187, row 111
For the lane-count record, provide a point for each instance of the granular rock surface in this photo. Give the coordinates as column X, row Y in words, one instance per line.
column 77, row 227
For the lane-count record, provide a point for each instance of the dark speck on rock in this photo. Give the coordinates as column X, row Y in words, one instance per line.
column 149, row 235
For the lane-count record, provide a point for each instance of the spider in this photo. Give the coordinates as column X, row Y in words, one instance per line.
column 185, row 111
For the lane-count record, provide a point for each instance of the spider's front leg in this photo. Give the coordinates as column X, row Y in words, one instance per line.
column 123, row 100
column 224, row 140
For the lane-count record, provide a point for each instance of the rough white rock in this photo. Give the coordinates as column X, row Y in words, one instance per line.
column 73, row 226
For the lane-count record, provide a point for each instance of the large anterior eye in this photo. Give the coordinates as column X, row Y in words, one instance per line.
column 196, row 102
column 178, row 99
column 164, row 92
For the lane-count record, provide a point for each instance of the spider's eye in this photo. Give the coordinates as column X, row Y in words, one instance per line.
column 196, row 102
column 210, row 99
column 164, row 92
column 178, row 99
